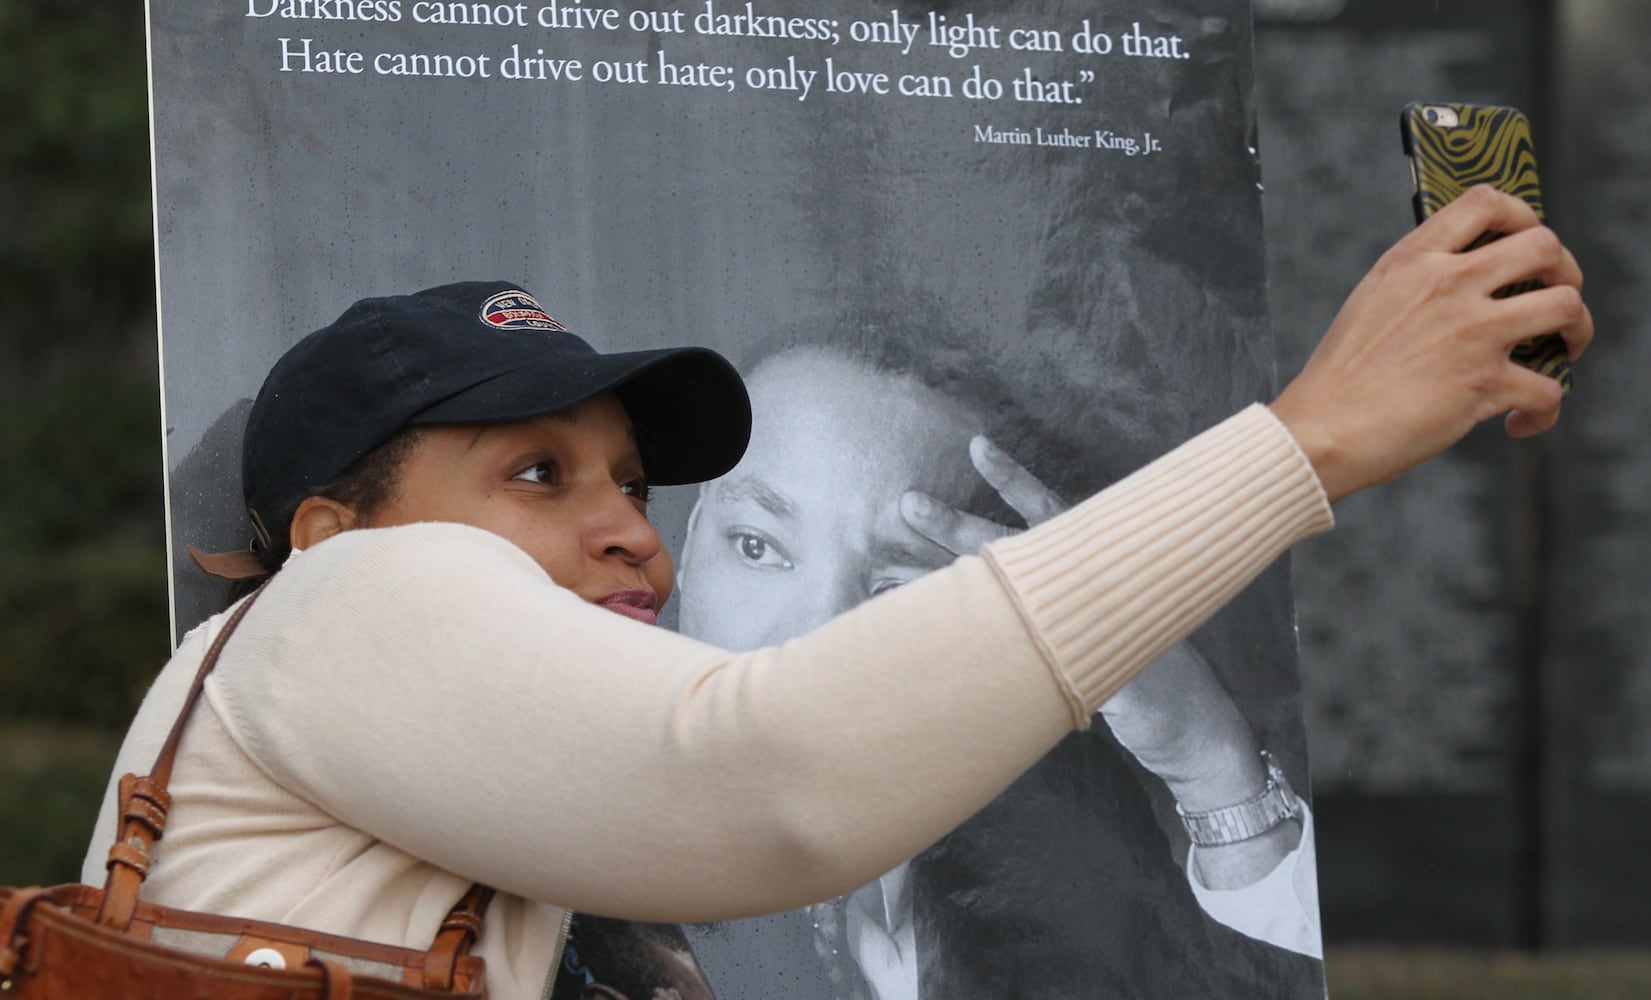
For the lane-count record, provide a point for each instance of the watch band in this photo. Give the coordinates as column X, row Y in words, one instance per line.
column 1275, row 803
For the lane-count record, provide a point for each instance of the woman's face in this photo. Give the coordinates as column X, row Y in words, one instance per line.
column 808, row 524
column 568, row 489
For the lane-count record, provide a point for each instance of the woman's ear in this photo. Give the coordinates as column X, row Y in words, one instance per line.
column 318, row 519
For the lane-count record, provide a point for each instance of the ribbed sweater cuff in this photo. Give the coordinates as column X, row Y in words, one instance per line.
column 1115, row 581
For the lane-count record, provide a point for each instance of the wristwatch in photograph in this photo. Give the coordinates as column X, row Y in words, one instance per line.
column 1275, row 803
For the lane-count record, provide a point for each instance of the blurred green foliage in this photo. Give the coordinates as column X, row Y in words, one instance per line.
column 82, row 584
column 82, row 566
column 60, row 772
column 76, row 269
column 1392, row 974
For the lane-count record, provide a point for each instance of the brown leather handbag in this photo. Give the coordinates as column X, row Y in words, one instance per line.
column 79, row 942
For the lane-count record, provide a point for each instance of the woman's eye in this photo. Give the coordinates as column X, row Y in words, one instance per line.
column 758, row 550
column 638, row 489
column 538, row 472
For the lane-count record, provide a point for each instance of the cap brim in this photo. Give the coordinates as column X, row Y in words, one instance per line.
column 688, row 405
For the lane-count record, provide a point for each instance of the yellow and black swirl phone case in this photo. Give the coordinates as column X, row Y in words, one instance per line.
column 1455, row 146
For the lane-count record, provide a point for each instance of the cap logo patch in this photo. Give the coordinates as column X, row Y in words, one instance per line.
column 517, row 310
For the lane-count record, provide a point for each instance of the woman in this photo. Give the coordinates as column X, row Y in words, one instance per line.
column 451, row 679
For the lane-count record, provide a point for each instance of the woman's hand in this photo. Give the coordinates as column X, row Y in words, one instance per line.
column 1419, row 352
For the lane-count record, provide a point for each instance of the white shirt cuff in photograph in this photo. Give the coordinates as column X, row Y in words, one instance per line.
column 1281, row 909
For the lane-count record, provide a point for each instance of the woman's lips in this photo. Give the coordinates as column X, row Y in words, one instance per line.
column 638, row 603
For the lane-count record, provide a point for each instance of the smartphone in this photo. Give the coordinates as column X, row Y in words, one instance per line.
column 1455, row 146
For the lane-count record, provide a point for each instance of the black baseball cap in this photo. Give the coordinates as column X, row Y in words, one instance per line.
column 471, row 353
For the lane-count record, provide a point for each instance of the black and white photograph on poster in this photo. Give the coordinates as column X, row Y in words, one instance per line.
column 976, row 261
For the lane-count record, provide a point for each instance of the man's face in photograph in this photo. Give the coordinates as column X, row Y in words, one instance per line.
column 809, row 523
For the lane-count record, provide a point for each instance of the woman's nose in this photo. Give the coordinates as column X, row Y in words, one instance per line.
column 617, row 526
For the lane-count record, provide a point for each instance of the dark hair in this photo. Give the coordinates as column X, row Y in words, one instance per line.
column 1021, row 396
column 365, row 486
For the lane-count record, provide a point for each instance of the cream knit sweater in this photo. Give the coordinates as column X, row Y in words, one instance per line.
column 411, row 709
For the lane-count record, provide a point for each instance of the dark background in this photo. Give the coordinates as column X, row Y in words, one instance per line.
column 1474, row 659
column 1474, row 641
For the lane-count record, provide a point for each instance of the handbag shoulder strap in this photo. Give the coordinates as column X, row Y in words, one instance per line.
column 459, row 930
column 161, row 773
column 144, row 802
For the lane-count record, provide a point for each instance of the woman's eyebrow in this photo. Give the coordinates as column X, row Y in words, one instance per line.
column 754, row 489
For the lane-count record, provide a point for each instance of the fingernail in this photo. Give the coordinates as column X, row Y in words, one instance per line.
column 919, row 504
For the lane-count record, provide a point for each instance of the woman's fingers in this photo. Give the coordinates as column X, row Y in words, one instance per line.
column 1534, row 402
column 1542, row 311
column 1481, row 209
column 1531, row 253
column 1520, row 424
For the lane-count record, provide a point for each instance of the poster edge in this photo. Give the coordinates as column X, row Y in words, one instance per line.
column 160, row 335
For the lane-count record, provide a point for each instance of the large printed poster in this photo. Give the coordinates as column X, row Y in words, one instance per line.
column 997, row 254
